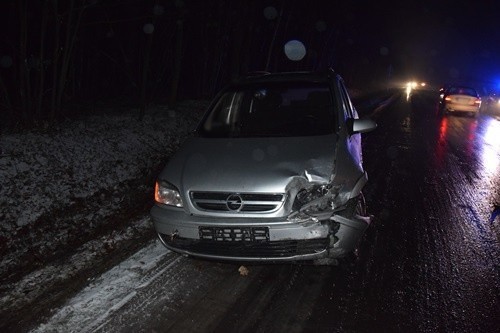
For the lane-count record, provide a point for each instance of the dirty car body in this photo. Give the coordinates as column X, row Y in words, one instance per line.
column 273, row 173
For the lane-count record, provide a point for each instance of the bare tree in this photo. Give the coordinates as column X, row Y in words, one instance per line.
column 73, row 20
column 37, row 71
column 145, row 66
column 176, row 73
column 41, row 68
column 24, row 70
column 276, row 28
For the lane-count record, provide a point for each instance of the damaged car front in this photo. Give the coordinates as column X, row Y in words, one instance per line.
column 273, row 173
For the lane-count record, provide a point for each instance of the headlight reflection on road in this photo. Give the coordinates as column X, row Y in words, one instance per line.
column 471, row 136
column 441, row 146
column 408, row 90
column 491, row 146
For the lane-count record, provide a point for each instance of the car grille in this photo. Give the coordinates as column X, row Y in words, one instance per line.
column 248, row 249
column 236, row 202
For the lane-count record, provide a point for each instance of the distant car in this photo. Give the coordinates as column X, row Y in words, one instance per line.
column 274, row 173
column 461, row 99
column 442, row 90
column 492, row 103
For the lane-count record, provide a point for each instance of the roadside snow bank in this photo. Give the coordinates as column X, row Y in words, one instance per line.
column 58, row 184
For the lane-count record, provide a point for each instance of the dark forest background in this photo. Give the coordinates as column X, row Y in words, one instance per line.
column 56, row 54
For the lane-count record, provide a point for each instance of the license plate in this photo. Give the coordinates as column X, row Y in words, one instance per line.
column 234, row 234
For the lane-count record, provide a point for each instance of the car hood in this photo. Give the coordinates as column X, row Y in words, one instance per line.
column 251, row 164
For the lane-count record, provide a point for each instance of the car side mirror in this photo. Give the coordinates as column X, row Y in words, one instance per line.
column 360, row 125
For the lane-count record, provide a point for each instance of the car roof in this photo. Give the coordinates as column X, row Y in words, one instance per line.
column 460, row 86
column 307, row 76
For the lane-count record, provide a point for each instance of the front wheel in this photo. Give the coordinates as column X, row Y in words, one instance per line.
column 361, row 205
column 359, row 254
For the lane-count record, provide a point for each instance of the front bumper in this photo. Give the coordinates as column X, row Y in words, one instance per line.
column 257, row 239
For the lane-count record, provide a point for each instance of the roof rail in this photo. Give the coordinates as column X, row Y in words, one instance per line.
column 257, row 73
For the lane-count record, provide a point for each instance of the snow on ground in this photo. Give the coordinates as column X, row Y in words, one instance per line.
column 32, row 286
column 90, row 307
column 77, row 185
column 49, row 168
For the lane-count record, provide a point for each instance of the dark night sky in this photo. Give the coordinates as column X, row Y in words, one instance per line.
column 443, row 40
column 365, row 41
column 430, row 40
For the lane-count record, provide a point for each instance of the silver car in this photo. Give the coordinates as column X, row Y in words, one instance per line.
column 273, row 173
column 460, row 99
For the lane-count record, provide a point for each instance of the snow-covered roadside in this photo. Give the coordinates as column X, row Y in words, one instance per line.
column 59, row 277
column 105, row 295
column 64, row 185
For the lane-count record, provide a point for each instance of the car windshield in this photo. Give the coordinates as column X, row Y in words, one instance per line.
column 271, row 109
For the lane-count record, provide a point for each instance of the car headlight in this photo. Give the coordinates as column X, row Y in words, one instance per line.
column 167, row 194
column 306, row 196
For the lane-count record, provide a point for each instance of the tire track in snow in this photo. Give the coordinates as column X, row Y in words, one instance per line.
column 87, row 310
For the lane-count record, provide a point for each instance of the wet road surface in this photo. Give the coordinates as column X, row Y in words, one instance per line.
column 429, row 263
column 431, row 260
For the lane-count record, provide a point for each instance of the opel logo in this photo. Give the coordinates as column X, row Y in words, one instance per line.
column 234, row 202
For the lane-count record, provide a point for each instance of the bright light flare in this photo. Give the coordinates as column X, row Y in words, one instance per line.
column 491, row 148
column 409, row 86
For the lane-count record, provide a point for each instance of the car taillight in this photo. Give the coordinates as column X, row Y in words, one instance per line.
column 447, row 98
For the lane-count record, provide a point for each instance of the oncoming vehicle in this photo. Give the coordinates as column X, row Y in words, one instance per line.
column 492, row 103
column 273, row 173
column 460, row 99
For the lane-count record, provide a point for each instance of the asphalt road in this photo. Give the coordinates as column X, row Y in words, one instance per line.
column 429, row 262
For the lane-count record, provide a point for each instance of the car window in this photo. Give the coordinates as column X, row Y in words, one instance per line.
column 271, row 109
column 462, row 91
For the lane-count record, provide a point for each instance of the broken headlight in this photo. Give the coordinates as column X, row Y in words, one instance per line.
column 316, row 198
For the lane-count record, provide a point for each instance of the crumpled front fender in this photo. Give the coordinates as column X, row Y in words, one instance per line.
column 349, row 233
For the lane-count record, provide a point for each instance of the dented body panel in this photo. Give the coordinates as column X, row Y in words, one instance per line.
column 266, row 198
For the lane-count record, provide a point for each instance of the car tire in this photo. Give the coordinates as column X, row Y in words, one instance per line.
column 361, row 205
column 348, row 259
column 351, row 259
